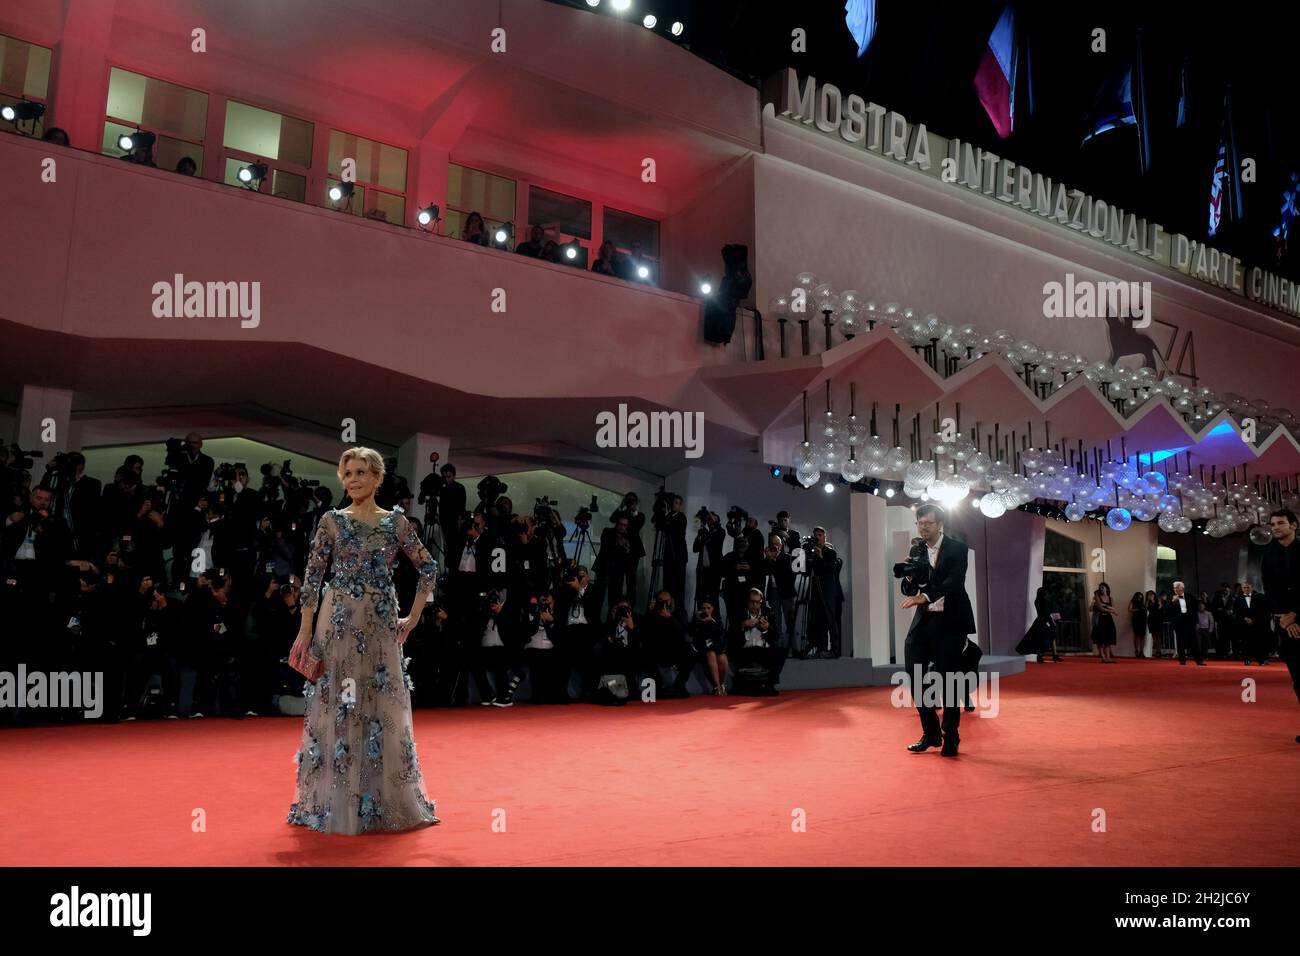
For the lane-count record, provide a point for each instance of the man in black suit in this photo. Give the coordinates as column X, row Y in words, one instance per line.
column 938, row 632
column 1253, row 623
column 1280, row 569
column 825, row 597
column 79, row 506
column 671, row 521
column 630, row 509
column 1181, row 612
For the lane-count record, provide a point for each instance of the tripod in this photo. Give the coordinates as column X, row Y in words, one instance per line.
column 808, row 587
column 656, row 565
column 581, row 535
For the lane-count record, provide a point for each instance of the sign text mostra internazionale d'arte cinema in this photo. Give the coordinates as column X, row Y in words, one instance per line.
column 854, row 121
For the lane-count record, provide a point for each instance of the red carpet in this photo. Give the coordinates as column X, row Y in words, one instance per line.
column 1187, row 774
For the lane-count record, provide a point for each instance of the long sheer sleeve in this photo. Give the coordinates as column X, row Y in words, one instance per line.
column 322, row 547
column 425, row 566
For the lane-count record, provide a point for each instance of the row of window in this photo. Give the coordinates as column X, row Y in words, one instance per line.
column 178, row 117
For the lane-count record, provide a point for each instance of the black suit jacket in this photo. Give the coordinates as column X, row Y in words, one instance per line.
column 948, row 581
column 1258, row 612
column 1184, row 624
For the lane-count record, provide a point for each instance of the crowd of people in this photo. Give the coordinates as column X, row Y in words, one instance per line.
column 1235, row 623
column 632, row 266
column 185, row 591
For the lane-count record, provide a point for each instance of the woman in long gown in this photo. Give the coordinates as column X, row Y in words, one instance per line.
column 357, row 769
column 1103, row 635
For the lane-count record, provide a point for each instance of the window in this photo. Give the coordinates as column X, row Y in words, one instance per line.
column 176, row 115
column 563, row 217
column 472, row 190
column 1065, row 586
column 24, row 75
column 380, row 188
column 282, row 142
column 629, row 232
column 1061, row 552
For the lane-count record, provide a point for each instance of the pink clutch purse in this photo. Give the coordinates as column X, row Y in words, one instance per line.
column 306, row 665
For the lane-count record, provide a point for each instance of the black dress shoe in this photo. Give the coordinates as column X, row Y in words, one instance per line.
column 950, row 746
column 925, row 743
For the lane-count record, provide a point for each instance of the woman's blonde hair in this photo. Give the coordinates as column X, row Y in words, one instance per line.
column 373, row 460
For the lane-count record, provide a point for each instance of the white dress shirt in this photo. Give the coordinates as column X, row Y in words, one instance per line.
column 934, row 560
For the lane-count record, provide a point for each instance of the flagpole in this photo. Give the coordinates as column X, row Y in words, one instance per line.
column 1234, row 161
column 1140, row 107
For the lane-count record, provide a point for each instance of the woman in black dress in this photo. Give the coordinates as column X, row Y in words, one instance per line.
column 1103, row 635
column 1137, row 609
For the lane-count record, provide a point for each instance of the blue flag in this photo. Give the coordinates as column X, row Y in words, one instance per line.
column 860, row 15
column 1114, row 107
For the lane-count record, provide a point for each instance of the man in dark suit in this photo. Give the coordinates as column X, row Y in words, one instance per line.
column 1254, row 625
column 825, row 597
column 938, row 632
column 1280, row 569
column 80, row 509
column 630, row 509
column 1181, row 612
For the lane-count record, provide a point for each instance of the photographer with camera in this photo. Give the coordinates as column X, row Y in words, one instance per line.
column 664, row 644
column 933, row 580
column 756, row 649
column 825, row 597
column 740, row 524
column 492, row 653
column 740, row 572
column 630, row 509
column 193, row 469
column 790, row 538
column 547, row 661
column 709, row 538
column 611, row 564
column 614, row 658
column 670, row 521
column 151, row 648
column 709, row 639
column 443, row 498
column 212, row 650
column 77, row 502
column 780, row 589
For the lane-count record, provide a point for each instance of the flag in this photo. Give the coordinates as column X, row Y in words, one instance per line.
column 1224, row 185
column 860, row 15
column 1182, row 97
column 1282, row 231
column 1114, row 105
column 995, row 79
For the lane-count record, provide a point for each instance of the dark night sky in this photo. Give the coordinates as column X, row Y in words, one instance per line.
column 924, row 56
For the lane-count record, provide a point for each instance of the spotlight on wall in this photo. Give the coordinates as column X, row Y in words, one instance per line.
column 593, row 3
column 643, row 271
column 889, row 492
column 23, row 110
column 678, row 28
column 502, row 233
column 252, row 175
column 428, row 215
column 649, row 21
column 621, row 6
column 340, row 191
column 706, row 287
column 139, row 139
column 828, row 487
column 571, row 250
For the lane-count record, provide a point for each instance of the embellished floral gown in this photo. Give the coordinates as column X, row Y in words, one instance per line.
column 357, row 769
